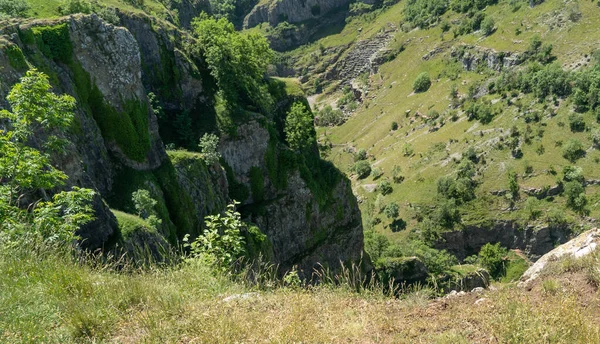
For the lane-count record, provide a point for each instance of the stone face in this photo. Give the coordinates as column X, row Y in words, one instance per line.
column 291, row 11
column 302, row 233
column 126, row 63
column 581, row 246
column 534, row 241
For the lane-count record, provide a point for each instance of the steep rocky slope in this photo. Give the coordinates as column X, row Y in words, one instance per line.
column 117, row 147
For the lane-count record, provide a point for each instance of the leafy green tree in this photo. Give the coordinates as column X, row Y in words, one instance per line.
column 573, row 150
column 299, row 128
column 13, row 8
column 384, row 187
column 487, row 26
column 223, row 9
column 222, row 239
column 26, row 171
column 492, row 257
column 361, row 154
column 392, row 210
column 145, row 206
column 422, row 82
column 238, row 61
column 575, row 194
column 208, row 148
column 362, row 169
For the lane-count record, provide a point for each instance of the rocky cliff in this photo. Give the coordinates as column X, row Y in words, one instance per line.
column 117, row 146
column 293, row 11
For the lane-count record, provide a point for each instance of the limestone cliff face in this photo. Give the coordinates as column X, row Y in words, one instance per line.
column 117, row 148
column 302, row 232
column 292, row 11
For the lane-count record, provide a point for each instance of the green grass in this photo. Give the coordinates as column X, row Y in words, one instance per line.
column 390, row 96
column 50, row 9
column 52, row 297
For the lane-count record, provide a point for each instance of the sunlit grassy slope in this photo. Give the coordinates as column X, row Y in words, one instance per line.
column 50, row 8
column 47, row 297
column 390, row 97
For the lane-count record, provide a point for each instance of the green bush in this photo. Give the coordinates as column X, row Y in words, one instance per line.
column 575, row 194
column 361, row 154
column 576, row 122
column 392, row 210
column 385, row 187
column 208, row 148
column 362, row 169
column 487, row 26
column 329, row 117
column 573, row 150
column 13, row 8
column 422, row 82
column 54, row 42
column 222, row 240
column 492, row 257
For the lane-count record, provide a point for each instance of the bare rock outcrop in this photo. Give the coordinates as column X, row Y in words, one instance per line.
column 581, row 246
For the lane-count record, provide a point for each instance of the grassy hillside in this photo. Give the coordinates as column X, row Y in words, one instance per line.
column 50, row 297
column 426, row 148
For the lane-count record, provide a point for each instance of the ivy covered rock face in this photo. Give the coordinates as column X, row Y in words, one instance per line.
column 119, row 133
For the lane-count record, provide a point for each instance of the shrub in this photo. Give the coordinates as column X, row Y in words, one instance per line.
column 76, row 6
column 576, row 122
column 531, row 206
column 208, row 148
column 492, row 258
column 13, row 8
column 329, row 117
column 376, row 172
column 407, row 149
column 385, row 187
column 394, row 126
column 575, row 194
column 222, row 239
column 573, row 150
column 362, row 169
column 487, row 26
column 361, row 154
column 392, row 210
column 422, row 83
column 397, row 176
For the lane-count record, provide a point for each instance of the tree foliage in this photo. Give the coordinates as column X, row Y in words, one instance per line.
column 238, row 61
column 26, row 173
column 299, row 128
column 222, row 239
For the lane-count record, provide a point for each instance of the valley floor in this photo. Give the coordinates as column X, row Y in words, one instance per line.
column 45, row 297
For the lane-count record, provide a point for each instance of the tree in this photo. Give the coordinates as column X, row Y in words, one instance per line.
column 208, row 148
column 385, row 187
column 573, row 150
column 222, row 239
column 13, row 8
column 145, row 207
column 26, row 172
column 238, row 61
column 299, row 130
column 575, row 194
column 223, row 9
column 487, row 26
column 362, row 169
column 392, row 210
column 422, row 83
column 492, row 257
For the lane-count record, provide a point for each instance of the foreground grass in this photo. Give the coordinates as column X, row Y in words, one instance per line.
column 51, row 298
